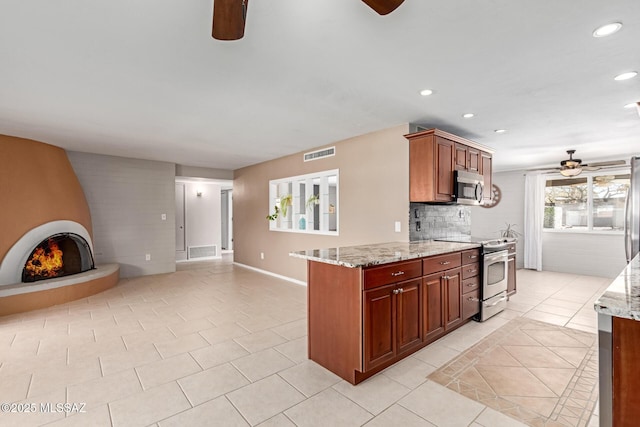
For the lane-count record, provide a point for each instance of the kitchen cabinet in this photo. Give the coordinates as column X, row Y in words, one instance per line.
column 474, row 161
column 391, row 321
column 441, row 292
column 511, row 272
column 363, row 319
column 433, row 157
column 470, row 283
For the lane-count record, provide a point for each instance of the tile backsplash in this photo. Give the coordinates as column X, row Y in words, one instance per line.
column 438, row 221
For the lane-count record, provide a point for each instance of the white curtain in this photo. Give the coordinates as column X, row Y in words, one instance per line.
column 534, row 184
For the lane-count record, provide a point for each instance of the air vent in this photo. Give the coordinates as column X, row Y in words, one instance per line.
column 319, row 154
column 202, row 251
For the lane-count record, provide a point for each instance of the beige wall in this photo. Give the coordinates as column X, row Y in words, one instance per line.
column 374, row 193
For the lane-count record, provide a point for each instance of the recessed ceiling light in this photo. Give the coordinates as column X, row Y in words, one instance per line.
column 626, row 76
column 631, row 105
column 607, row 30
column 500, row 130
column 426, row 92
column 468, row 115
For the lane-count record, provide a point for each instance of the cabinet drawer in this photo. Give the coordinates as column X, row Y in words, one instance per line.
column 391, row 273
column 470, row 270
column 470, row 284
column 470, row 304
column 441, row 262
column 470, row 256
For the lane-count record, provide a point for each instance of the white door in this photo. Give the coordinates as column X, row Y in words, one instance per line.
column 180, row 232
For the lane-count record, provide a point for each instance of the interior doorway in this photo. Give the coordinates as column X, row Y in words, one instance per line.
column 227, row 219
column 204, row 223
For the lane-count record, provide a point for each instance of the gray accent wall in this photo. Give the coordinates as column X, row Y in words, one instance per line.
column 127, row 198
column 428, row 222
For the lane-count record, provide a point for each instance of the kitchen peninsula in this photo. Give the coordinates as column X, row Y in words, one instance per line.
column 372, row 305
column 619, row 348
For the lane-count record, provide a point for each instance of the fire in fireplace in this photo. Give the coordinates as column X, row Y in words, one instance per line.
column 57, row 256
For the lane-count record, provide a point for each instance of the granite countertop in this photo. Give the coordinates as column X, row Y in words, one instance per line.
column 381, row 253
column 622, row 297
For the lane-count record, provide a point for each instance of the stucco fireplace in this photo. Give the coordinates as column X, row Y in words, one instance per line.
column 46, row 245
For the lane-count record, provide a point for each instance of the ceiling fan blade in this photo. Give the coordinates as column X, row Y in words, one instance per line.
column 604, row 164
column 229, row 17
column 383, row 7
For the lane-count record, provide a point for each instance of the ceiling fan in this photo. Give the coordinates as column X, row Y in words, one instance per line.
column 573, row 167
column 230, row 16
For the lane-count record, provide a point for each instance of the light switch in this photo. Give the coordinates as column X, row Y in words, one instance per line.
column 398, row 227
column 147, row 257
column 164, row 217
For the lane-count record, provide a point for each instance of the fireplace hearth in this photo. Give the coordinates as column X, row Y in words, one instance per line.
column 62, row 254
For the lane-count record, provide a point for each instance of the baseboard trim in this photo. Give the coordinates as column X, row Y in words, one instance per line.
column 269, row 273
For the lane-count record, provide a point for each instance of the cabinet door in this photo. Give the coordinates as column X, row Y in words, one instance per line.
column 511, row 276
column 444, row 169
column 432, row 306
column 453, row 290
column 462, row 157
column 408, row 304
column 473, row 160
column 379, row 326
column 486, row 173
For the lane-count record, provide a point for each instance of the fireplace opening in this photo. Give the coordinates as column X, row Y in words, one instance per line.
column 60, row 255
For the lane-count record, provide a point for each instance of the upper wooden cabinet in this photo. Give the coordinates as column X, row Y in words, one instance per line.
column 433, row 157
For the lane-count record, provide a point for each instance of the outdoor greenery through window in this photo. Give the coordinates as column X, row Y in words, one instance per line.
column 305, row 203
column 591, row 202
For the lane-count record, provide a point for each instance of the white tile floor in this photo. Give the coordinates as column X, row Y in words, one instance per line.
column 216, row 344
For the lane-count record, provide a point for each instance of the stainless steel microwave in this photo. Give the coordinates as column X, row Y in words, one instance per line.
column 468, row 188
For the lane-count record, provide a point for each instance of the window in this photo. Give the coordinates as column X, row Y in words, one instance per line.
column 592, row 202
column 305, row 203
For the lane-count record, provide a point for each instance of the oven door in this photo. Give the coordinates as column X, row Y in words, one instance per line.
column 494, row 277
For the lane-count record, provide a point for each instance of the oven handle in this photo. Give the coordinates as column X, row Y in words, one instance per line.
column 495, row 303
column 496, row 256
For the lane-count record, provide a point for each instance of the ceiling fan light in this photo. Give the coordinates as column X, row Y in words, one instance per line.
column 570, row 171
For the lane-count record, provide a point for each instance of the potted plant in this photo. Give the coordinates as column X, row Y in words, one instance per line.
column 510, row 231
column 314, row 199
column 285, row 202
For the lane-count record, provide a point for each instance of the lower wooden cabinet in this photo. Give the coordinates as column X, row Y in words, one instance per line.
column 442, row 308
column 511, row 275
column 359, row 323
column 391, row 321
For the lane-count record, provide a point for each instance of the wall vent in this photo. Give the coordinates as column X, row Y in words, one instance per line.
column 319, row 154
column 202, row 251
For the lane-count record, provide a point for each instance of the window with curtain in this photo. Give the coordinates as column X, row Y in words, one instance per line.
column 590, row 203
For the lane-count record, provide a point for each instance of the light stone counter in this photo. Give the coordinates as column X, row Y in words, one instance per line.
column 622, row 297
column 381, row 253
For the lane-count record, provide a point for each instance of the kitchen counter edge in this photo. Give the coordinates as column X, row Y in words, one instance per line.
column 381, row 253
column 622, row 297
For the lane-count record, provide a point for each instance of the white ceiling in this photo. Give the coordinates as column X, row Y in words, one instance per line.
column 145, row 78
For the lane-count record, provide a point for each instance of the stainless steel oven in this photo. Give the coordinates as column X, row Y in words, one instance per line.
column 495, row 267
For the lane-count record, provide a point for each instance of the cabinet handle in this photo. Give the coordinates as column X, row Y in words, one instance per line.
column 446, row 277
column 398, row 273
column 471, row 284
column 445, row 262
column 473, row 299
column 398, row 291
column 472, row 257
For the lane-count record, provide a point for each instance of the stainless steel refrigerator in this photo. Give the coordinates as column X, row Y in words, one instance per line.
column 632, row 212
